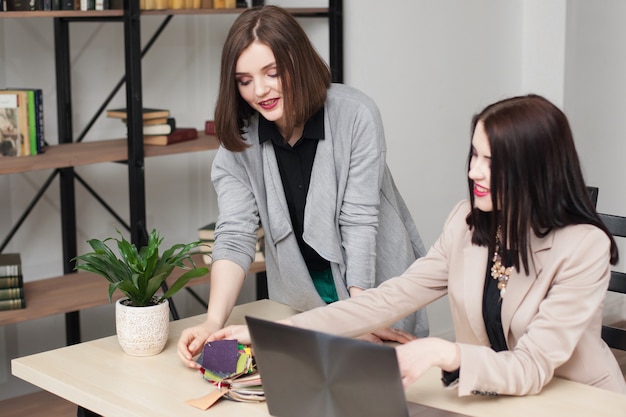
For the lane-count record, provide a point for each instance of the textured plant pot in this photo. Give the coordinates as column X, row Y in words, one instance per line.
column 142, row 331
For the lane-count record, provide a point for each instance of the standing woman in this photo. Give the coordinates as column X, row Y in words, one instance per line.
column 305, row 160
column 525, row 263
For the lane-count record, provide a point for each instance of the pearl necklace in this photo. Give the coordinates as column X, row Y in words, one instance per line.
column 498, row 270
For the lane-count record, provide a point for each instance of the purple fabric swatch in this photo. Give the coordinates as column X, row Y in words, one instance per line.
column 221, row 356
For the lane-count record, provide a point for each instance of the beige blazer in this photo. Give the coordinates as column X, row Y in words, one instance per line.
column 551, row 318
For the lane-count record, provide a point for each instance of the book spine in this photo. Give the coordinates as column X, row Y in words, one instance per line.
column 10, row 270
column 209, row 127
column 24, row 130
column 41, row 138
column 14, row 304
column 11, row 282
column 11, row 142
column 11, row 293
column 32, row 121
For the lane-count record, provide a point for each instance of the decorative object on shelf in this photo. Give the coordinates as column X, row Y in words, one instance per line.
column 139, row 275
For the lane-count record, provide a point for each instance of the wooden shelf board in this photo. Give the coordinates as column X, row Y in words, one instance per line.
column 78, row 291
column 87, row 153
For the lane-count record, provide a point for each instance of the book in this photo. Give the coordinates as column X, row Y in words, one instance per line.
column 164, row 129
column 19, row 5
column 13, row 304
column 10, row 264
column 148, row 113
column 209, row 127
column 35, row 118
column 22, row 115
column 10, row 138
column 41, row 137
column 181, row 134
column 161, row 128
column 156, row 121
column 102, row 4
column 11, row 293
column 11, row 282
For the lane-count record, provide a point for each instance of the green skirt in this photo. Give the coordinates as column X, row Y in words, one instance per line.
column 325, row 285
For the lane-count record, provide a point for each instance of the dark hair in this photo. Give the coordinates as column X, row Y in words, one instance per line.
column 304, row 76
column 536, row 180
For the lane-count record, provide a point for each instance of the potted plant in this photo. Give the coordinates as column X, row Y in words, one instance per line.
column 142, row 316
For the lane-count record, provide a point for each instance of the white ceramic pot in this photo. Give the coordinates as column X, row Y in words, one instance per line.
column 142, row 331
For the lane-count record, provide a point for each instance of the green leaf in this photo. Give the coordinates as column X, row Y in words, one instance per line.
column 139, row 274
column 183, row 280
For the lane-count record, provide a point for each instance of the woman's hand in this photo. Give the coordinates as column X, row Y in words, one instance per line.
column 191, row 343
column 419, row 355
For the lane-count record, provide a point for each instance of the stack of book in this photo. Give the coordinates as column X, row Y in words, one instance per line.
column 159, row 128
column 190, row 4
column 11, row 282
column 207, row 237
column 21, row 113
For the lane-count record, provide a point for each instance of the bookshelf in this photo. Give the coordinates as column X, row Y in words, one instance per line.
column 71, row 292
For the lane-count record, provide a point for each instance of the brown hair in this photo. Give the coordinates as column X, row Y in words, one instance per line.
column 536, row 179
column 299, row 66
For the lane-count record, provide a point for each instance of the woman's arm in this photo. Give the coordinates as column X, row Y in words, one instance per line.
column 226, row 281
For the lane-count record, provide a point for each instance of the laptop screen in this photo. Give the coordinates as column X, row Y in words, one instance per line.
column 308, row 373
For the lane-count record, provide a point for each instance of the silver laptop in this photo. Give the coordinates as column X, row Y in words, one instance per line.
column 308, row 373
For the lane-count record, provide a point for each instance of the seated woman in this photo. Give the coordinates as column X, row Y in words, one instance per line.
column 525, row 263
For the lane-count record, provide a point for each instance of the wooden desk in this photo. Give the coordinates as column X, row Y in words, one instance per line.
column 99, row 376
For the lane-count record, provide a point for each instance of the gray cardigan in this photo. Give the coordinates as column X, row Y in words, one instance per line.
column 354, row 216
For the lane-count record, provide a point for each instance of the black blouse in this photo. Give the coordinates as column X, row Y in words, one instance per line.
column 295, row 165
column 492, row 309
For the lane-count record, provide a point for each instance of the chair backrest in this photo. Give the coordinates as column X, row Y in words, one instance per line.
column 615, row 337
column 593, row 194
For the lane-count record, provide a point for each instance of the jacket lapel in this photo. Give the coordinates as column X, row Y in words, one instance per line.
column 475, row 268
column 321, row 212
column 279, row 221
column 519, row 283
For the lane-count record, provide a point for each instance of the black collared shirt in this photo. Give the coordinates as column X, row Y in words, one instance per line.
column 295, row 165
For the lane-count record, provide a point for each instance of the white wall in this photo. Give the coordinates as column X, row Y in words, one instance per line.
column 595, row 101
column 429, row 65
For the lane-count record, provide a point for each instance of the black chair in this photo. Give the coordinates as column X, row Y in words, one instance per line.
column 615, row 337
column 593, row 194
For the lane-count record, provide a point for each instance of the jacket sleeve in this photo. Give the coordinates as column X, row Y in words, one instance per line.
column 238, row 220
column 422, row 283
